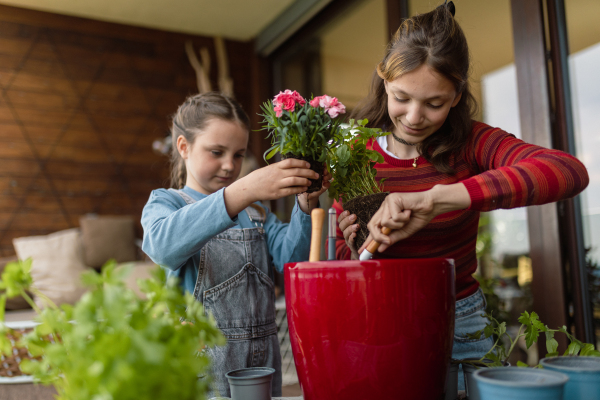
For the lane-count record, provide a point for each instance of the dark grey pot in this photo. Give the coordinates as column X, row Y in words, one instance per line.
column 250, row 383
column 452, row 381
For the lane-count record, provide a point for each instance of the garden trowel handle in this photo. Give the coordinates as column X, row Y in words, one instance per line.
column 373, row 246
column 317, row 217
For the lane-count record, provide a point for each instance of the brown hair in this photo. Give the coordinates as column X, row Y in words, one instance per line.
column 434, row 39
column 191, row 117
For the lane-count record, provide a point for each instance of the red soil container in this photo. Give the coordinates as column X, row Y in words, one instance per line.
column 379, row 329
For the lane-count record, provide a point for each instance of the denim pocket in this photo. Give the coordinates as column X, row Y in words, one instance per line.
column 246, row 300
column 470, row 324
column 470, row 318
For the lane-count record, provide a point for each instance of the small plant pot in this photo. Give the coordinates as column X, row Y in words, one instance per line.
column 471, row 388
column 520, row 384
column 583, row 373
column 250, row 383
column 318, row 167
column 452, row 381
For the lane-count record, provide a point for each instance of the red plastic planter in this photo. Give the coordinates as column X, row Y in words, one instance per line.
column 380, row 329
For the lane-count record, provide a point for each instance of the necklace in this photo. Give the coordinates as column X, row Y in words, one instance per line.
column 414, row 164
column 399, row 139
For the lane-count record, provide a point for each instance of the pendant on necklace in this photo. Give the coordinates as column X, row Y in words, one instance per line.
column 415, row 162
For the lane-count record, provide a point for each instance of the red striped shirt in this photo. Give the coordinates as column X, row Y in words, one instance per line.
column 499, row 171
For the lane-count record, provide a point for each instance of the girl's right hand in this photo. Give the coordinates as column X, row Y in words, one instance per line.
column 349, row 228
column 284, row 178
column 287, row 177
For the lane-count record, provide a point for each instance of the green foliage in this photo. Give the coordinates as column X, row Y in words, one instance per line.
column 494, row 305
column 530, row 329
column 352, row 164
column 307, row 131
column 114, row 345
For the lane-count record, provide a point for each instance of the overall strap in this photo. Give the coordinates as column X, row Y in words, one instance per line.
column 186, row 197
column 256, row 217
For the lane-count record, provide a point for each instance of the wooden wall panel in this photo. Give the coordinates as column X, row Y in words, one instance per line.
column 81, row 103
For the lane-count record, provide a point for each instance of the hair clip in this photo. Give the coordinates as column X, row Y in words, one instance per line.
column 450, row 6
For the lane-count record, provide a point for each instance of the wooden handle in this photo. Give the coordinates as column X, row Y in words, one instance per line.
column 373, row 246
column 317, row 217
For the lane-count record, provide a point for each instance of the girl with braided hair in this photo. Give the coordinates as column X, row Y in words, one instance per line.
column 211, row 232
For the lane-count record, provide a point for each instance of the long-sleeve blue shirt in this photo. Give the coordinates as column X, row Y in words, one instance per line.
column 175, row 232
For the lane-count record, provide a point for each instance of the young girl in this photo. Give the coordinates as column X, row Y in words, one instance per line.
column 443, row 168
column 212, row 234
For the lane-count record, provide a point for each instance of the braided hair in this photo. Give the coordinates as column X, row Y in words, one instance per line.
column 191, row 118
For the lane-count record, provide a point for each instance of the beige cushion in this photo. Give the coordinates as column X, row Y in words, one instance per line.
column 139, row 270
column 107, row 237
column 57, row 264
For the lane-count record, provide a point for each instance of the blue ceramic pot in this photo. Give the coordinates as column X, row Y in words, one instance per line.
column 583, row 373
column 520, row 384
column 468, row 370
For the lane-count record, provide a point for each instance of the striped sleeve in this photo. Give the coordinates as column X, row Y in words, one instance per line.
column 516, row 174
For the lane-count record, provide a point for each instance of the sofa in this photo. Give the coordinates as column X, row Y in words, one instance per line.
column 58, row 259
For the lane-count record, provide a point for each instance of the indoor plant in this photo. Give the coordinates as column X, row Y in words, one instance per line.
column 583, row 373
column 306, row 130
column 113, row 344
column 531, row 328
column 352, row 169
column 581, row 363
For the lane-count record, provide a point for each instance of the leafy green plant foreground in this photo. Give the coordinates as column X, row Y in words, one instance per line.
column 113, row 345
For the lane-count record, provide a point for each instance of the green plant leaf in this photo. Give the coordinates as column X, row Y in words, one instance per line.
column 531, row 335
column 521, row 364
column 474, row 335
column 573, row 348
column 272, row 153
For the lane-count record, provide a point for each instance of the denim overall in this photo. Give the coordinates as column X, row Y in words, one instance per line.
column 469, row 319
column 235, row 284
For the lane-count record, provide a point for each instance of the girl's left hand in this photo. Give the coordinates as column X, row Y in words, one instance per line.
column 407, row 213
column 308, row 202
column 404, row 214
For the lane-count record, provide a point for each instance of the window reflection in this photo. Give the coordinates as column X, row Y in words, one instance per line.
column 583, row 33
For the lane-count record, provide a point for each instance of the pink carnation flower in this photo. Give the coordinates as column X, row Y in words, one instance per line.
column 287, row 100
column 331, row 105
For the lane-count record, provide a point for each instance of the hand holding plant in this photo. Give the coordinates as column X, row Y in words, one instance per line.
column 307, row 130
column 352, row 168
column 352, row 164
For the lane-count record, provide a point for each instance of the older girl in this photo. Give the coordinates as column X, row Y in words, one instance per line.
column 443, row 168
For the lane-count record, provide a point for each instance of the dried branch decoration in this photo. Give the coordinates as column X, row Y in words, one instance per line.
column 202, row 68
column 225, row 81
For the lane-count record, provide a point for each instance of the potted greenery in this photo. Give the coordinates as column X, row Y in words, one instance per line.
column 531, row 328
column 113, row 344
column 581, row 363
column 306, row 130
column 352, row 169
column 520, row 384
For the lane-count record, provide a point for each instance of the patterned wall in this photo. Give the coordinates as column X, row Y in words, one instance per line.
column 81, row 103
